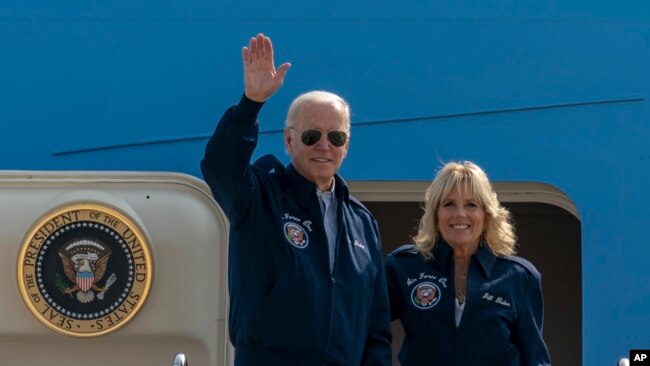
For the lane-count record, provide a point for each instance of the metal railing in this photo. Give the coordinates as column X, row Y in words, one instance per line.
column 180, row 360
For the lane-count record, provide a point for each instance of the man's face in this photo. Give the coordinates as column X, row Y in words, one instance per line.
column 319, row 162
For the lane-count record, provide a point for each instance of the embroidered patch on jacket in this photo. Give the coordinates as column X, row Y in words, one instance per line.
column 296, row 235
column 497, row 300
column 85, row 270
column 425, row 295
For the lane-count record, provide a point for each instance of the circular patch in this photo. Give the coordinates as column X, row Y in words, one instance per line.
column 84, row 270
column 296, row 235
column 425, row 295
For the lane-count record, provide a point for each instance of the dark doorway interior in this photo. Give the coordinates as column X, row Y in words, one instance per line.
column 549, row 237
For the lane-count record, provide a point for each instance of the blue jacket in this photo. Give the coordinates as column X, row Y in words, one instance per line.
column 501, row 324
column 285, row 306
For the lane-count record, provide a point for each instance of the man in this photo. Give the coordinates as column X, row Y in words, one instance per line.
column 306, row 279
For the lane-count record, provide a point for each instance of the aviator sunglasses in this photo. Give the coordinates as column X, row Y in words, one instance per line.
column 337, row 138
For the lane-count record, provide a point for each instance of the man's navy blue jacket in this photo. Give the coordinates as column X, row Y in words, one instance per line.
column 501, row 324
column 285, row 306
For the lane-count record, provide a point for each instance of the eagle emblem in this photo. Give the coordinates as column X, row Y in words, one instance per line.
column 85, row 269
column 295, row 235
column 84, row 263
column 425, row 295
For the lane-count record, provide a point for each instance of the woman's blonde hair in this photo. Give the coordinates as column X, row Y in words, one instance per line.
column 498, row 234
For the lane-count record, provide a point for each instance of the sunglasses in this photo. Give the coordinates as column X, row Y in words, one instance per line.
column 311, row 137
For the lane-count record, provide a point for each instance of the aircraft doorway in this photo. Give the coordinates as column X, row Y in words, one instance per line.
column 548, row 232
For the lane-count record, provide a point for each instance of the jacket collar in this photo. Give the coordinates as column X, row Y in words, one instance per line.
column 443, row 255
column 305, row 190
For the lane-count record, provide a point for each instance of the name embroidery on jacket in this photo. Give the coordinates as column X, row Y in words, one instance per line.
column 498, row 300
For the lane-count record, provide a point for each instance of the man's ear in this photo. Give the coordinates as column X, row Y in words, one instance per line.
column 288, row 138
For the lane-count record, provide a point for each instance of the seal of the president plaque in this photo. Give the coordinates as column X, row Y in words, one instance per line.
column 85, row 270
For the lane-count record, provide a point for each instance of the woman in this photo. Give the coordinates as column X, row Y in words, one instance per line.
column 460, row 294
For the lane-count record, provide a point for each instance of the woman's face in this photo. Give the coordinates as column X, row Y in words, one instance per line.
column 461, row 218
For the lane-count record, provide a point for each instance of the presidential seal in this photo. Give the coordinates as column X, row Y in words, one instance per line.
column 85, row 270
column 296, row 235
column 425, row 295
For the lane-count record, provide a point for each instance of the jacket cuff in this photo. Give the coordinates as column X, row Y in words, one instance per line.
column 247, row 109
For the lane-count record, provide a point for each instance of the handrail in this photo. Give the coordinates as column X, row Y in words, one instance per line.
column 180, row 360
